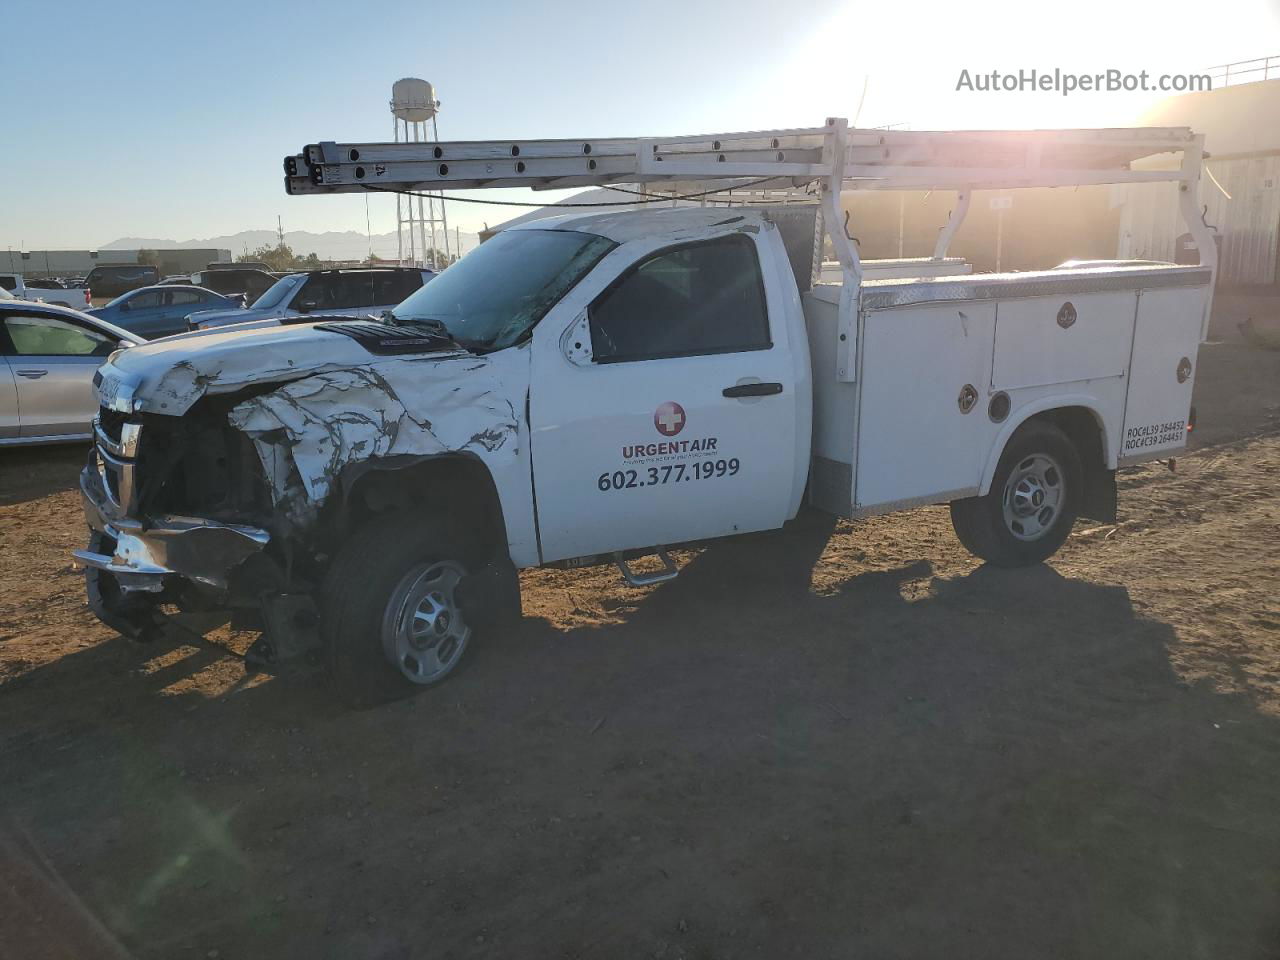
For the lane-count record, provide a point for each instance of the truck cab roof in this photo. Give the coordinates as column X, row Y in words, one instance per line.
column 623, row 225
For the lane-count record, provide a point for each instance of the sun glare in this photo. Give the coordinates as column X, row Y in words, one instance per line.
column 910, row 59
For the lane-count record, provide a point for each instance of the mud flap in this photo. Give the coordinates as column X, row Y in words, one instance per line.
column 1099, row 496
column 491, row 595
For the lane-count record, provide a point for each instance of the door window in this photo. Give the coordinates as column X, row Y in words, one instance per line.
column 314, row 294
column 183, row 297
column 395, row 286
column 338, row 291
column 145, row 301
column 353, row 290
column 33, row 336
column 693, row 300
column 326, row 291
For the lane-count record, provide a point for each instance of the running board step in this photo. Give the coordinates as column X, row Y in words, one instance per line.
column 669, row 570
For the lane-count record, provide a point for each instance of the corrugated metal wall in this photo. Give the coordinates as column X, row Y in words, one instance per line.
column 1249, row 222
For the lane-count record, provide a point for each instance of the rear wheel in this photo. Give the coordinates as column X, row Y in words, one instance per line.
column 392, row 622
column 1033, row 501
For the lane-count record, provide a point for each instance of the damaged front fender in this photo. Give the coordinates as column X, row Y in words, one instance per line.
column 308, row 430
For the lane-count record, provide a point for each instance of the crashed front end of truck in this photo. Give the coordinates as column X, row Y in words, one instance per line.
column 227, row 468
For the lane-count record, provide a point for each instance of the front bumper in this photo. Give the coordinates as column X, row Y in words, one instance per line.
column 146, row 554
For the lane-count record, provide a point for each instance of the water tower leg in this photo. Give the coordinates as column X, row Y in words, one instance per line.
column 395, row 135
column 444, row 217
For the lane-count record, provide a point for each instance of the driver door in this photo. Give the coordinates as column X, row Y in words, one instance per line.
column 665, row 411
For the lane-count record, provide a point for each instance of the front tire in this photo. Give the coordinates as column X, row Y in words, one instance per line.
column 134, row 616
column 392, row 623
column 1032, row 504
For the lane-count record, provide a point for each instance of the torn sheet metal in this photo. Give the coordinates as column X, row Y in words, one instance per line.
column 421, row 407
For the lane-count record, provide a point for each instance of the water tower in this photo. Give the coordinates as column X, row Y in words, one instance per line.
column 413, row 106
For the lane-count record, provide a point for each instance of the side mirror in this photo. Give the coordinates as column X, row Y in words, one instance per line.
column 125, row 306
column 305, row 306
column 575, row 343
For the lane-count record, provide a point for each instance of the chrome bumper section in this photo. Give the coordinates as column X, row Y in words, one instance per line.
column 199, row 550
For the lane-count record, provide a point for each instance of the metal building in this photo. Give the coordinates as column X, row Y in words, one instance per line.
column 1241, row 123
column 77, row 263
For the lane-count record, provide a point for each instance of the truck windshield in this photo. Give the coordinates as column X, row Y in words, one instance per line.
column 495, row 295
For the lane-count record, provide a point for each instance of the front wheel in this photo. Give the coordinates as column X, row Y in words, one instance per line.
column 135, row 616
column 392, row 622
column 1033, row 501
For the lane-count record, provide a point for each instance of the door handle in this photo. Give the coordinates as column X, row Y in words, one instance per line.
column 32, row 374
column 752, row 390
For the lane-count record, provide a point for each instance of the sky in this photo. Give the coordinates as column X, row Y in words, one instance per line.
column 172, row 119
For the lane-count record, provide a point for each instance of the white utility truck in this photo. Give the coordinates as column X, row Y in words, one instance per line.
column 601, row 386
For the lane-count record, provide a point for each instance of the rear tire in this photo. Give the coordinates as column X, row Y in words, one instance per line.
column 391, row 623
column 1033, row 502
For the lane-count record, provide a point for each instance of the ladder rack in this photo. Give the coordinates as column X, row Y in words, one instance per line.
column 781, row 159
column 824, row 161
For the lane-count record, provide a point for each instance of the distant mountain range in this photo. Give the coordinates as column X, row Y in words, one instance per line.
column 332, row 245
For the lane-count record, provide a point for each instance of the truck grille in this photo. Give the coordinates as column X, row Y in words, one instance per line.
column 111, row 422
column 194, row 465
column 116, row 450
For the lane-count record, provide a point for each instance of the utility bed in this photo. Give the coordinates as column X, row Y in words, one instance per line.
column 940, row 363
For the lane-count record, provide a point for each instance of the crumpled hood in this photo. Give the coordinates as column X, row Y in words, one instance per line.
column 168, row 376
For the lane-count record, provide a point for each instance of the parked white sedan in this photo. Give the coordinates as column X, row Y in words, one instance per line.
column 48, row 356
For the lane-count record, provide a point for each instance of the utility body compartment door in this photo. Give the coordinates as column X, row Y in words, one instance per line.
column 1165, row 342
column 1062, row 339
column 663, row 402
column 923, row 430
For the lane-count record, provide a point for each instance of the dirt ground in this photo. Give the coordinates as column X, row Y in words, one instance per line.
column 844, row 740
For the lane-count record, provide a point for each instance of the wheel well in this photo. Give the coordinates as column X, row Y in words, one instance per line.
column 1085, row 431
column 459, row 485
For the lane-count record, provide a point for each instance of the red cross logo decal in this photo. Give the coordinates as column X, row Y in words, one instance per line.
column 669, row 418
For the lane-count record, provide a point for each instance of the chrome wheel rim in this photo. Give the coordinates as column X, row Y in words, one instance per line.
column 424, row 632
column 1033, row 497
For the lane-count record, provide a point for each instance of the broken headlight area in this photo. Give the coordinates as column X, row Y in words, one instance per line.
column 197, row 465
column 177, row 505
